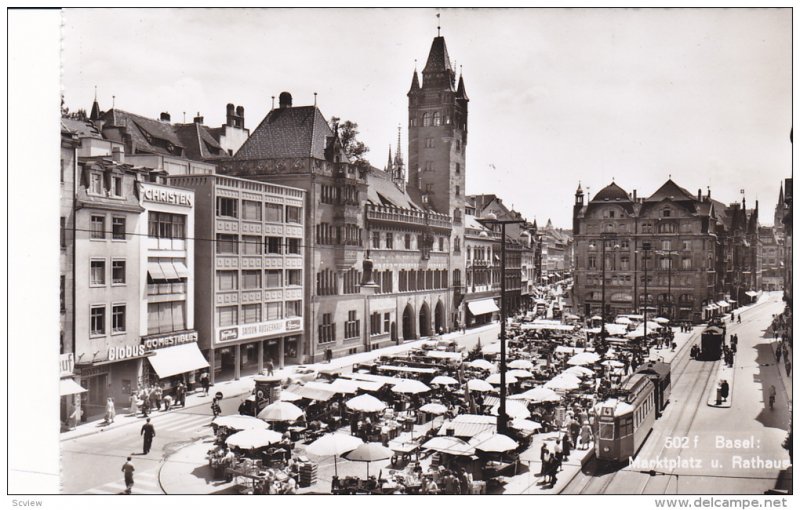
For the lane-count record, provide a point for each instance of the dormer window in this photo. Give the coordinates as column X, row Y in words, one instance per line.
column 170, row 148
column 666, row 213
column 95, row 183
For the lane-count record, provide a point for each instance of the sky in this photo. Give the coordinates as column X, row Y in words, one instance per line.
column 557, row 96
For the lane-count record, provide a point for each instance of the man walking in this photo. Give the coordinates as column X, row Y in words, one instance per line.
column 270, row 366
column 180, row 395
column 149, row 432
column 128, row 469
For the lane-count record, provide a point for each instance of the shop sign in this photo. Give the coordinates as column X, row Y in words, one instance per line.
column 126, row 352
column 67, row 364
column 157, row 342
column 161, row 195
column 246, row 331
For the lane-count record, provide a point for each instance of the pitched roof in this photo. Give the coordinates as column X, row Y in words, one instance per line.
column 671, row 191
column 611, row 193
column 438, row 59
column 292, row 132
column 82, row 128
column 199, row 143
column 382, row 191
column 144, row 132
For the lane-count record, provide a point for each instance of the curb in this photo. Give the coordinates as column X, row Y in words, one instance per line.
column 722, row 370
column 585, row 460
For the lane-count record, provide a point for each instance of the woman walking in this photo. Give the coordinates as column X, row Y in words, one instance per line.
column 111, row 412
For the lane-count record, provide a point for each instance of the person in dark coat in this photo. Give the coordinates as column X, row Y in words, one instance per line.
column 724, row 390
column 180, row 395
column 205, row 383
column 128, row 469
column 149, row 432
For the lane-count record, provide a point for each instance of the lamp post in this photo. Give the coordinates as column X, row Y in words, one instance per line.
column 502, row 417
column 669, row 254
column 645, row 248
column 604, row 238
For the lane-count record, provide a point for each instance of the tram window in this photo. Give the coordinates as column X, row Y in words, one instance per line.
column 606, row 431
column 626, row 427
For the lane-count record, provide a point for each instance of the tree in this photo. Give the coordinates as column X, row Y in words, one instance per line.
column 354, row 148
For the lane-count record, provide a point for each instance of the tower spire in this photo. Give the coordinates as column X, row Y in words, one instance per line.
column 438, row 24
column 398, row 150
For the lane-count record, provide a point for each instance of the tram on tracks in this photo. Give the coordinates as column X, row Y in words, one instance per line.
column 625, row 421
column 711, row 340
column 659, row 373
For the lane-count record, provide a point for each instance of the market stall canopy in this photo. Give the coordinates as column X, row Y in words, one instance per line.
column 525, row 425
column 411, row 387
column 636, row 333
column 514, row 409
column 520, row 374
column 491, row 348
column 289, row 396
column 565, row 349
column 253, row 438
column 495, row 379
column 622, row 320
column 483, row 364
column 365, row 403
column 444, row 380
column 561, row 382
column 369, row 452
column 333, row 444
column 551, row 327
column 584, row 358
column 482, row 306
column 536, row 395
column 636, row 317
column 433, row 408
column 616, row 329
column 521, row 364
column 345, row 386
column 492, row 442
column 612, row 363
column 478, row 385
column 68, row 386
column 177, row 359
column 469, row 425
column 280, row 411
column 449, row 445
column 455, row 356
column 751, row 293
column 240, row 422
column 596, row 318
column 661, row 320
column 318, row 394
column 580, row 371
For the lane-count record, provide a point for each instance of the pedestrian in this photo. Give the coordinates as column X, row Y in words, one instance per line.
column 111, row 411
column 586, row 435
column 205, row 383
column 152, row 397
column 772, row 393
column 149, row 432
column 180, row 395
column 270, row 367
column 215, row 407
column 724, row 389
column 144, row 398
column 134, row 408
column 567, row 447
column 167, row 402
column 558, row 453
column 128, row 469
column 159, row 397
column 778, row 353
column 546, row 459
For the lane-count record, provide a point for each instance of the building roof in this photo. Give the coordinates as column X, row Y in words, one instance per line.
column 670, row 190
column 199, row 143
column 291, row 132
column 438, row 59
column 82, row 128
column 147, row 135
column 611, row 193
column 382, row 191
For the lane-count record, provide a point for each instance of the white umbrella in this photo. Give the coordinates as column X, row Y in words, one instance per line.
column 492, row 442
column 622, row 320
column 240, row 422
column 288, row 396
column 596, row 318
column 345, row 386
column 514, row 409
column 253, row 438
column 495, row 379
column 539, row 394
column 410, row 386
column 491, row 348
column 661, row 320
column 584, row 358
column 636, row 333
column 482, row 364
column 444, row 380
column 525, row 425
column 521, row 364
column 369, row 452
column 520, row 374
column 562, row 383
column 433, row 408
column 612, row 363
column 580, row 371
column 280, row 411
column 335, row 445
column 478, row 385
column 652, row 325
column 365, row 403
column 450, row 445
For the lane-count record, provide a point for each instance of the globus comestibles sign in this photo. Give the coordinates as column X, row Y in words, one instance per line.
column 246, row 331
column 150, row 343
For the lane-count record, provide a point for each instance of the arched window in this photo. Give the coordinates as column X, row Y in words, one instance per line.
column 437, row 119
column 457, row 245
column 426, row 119
column 456, row 277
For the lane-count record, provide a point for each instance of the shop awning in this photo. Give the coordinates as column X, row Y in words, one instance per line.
column 68, row 386
column 177, row 359
column 169, row 270
column 155, row 272
column 482, row 306
column 751, row 293
column 181, row 269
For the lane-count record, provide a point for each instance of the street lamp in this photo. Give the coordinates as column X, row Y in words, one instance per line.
column 669, row 254
column 604, row 238
column 646, row 247
column 502, row 417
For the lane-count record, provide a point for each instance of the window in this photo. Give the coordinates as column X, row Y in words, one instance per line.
column 441, row 244
column 376, row 240
column 458, row 190
column 352, row 327
column 273, row 245
column 293, row 214
column 293, row 246
column 274, row 279
column 251, row 279
column 426, row 119
column 686, row 263
column 98, row 227
column 428, row 188
column 294, row 308
column 118, row 319
column 428, row 166
column 63, row 293
column 251, row 313
column 227, row 316
column 118, row 229
column 252, row 245
column 95, row 183
column 116, row 186
column 387, row 321
column 251, row 210
column 624, row 263
column 97, row 274
column 227, row 207
column 457, row 216
column 666, row 228
column 118, row 272
column 98, row 320
column 166, row 226
column 457, row 244
column 456, row 278
column 458, row 168
column 327, row 330
column 227, row 244
column 686, row 245
column 227, row 280
column 666, row 213
column 437, row 119
column 326, row 283
column 592, row 262
column 63, row 232
column 294, row 277
column 273, row 212
column 664, row 263
column 407, row 241
column 274, row 311
column 351, row 282
column 666, row 245
column 429, row 143
column 389, row 240
column 647, row 228
column 375, row 323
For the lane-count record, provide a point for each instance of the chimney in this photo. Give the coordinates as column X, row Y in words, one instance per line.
column 634, row 196
column 198, row 119
column 240, row 116
column 118, row 155
column 285, row 100
column 699, row 195
column 164, row 117
column 229, row 109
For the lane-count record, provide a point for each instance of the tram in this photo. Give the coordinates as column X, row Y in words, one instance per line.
column 625, row 421
column 711, row 340
column 659, row 374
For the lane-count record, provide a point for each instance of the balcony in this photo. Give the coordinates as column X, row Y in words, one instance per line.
column 388, row 214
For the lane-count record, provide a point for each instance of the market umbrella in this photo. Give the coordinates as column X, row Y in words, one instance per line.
column 288, row 396
column 514, row 409
column 444, row 380
column 492, row 348
column 596, row 318
column 253, row 438
column 369, row 452
column 345, row 386
column 495, row 379
column 335, row 445
column 562, row 383
column 622, row 320
column 661, row 320
column 482, row 364
column 520, row 374
column 636, row 333
column 411, row 386
column 612, row 363
column 240, row 422
column 432, row 408
column 280, row 411
column 365, row 403
column 491, row 442
column 478, row 385
column 525, row 425
column 652, row 325
column 450, row 445
column 521, row 364
column 580, row 371
column 584, row 358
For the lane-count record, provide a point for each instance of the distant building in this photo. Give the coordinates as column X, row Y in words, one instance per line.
column 482, row 290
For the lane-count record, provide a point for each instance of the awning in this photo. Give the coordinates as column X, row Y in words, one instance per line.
column 154, row 269
column 751, row 293
column 177, row 359
column 169, row 270
column 182, row 270
column 482, row 306
column 68, row 386
column 723, row 304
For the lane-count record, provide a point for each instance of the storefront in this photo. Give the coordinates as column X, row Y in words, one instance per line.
column 70, row 392
column 173, row 358
column 245, row 349
column 481, row 311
